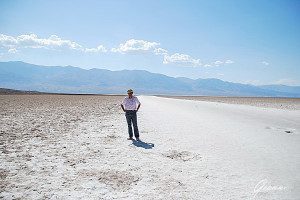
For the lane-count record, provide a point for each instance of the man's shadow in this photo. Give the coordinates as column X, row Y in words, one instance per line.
column 145, row 145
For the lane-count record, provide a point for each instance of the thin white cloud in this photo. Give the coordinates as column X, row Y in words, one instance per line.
column 160, row 51
column 182, row 59
column 33, row 41
column 100, row 48
column 229, row 62
column 265, row 63
column 217, row 63
column 133, row 45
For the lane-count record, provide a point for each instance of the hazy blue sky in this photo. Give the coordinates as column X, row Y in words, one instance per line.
column 244, row 41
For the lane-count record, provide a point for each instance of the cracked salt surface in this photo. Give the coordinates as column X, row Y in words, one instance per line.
column 75, row 147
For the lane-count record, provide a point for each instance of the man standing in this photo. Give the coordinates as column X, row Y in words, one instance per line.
column 130, row 106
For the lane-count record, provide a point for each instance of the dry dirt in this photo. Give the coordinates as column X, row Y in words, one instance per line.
column 48, row 143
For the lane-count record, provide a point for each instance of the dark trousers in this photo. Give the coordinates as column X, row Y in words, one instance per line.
column 132, row 119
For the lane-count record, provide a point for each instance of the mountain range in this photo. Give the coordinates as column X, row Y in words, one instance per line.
column 67, row 79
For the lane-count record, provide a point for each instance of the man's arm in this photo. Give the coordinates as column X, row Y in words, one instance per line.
column 139, row 104
column 138, row 107
column 122, row 107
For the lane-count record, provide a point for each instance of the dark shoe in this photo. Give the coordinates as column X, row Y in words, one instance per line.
column 130, row 138
column 137, row 138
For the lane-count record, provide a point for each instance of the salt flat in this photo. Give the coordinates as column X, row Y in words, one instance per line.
column 75, row 147
column 244, row 150
column 265, row 102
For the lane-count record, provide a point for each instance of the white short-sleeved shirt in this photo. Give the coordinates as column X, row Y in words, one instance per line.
column 130, row 103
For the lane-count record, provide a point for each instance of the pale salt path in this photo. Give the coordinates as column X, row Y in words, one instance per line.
column 189, row 150
column 221, row 151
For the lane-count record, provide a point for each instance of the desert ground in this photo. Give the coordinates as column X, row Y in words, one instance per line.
column 75, row 147
column 265, row 102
